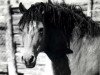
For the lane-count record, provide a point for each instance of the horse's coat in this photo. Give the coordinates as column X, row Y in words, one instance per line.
column 61, row 29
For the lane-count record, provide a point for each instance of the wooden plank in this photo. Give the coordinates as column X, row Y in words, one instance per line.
column 89, row 8
column 9, row 43
column 16, row 29
column 16, row 19
column 18, row 39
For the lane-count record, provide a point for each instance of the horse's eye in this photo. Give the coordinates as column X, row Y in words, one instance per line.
column 41, row 30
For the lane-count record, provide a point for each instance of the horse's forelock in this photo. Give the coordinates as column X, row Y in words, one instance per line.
column 35, row 12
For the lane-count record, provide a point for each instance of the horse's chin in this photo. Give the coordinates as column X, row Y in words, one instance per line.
column 31, row 65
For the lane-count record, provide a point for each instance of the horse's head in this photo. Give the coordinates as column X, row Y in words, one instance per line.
column 43, row 27
column 32, row 37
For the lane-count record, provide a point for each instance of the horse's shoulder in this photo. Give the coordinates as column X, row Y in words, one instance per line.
column 85, row 56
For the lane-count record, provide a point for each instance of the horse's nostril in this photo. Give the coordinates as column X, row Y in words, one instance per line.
column 32, row 59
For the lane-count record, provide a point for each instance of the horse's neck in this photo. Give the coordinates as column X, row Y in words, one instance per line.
column 60, row 65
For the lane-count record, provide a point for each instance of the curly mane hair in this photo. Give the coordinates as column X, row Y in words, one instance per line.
column 68, row 18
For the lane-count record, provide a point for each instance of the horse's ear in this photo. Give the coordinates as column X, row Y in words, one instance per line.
column 22, row 8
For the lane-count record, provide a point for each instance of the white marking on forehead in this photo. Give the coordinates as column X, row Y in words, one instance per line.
column 34, row 25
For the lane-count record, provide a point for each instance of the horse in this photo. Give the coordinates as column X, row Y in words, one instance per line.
column 69, row 38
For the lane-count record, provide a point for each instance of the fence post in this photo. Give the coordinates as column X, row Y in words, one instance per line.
column 90, row 8
column 9, row 42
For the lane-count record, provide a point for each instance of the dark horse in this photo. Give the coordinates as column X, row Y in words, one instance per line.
column 69, row 38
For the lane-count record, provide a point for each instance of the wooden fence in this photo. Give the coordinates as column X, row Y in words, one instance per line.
column 11, row 61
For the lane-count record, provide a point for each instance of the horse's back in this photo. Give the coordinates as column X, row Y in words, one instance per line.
column 85, row 59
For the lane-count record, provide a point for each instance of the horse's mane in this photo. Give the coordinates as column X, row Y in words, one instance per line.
column 68, row 18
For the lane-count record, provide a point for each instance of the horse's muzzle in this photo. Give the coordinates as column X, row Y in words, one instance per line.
column 30, row 63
